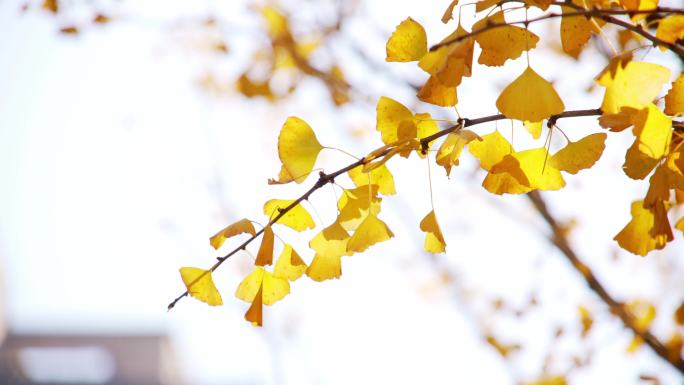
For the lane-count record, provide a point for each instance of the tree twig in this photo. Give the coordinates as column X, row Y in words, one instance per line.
column 606, row 15
column 324, row 179
column 558, row 239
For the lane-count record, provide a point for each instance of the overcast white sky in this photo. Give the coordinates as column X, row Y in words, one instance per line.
column 110, row 158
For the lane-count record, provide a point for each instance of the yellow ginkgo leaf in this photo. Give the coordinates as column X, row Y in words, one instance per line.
column 618, row 122
column 393, row 116
column 434, row 240
column 265, row 254
column 576, row 32
column 283, row 177
column 502, row 43
column 297, row 218
column 637, row 164
column 407, row 130
column 658, row 188
column 579, row 155
column 200, row 285
column 530, row 97
column 371, row 231
column 324, row 267
column 674, row 100
column 434, row 92
column 298, row 148
column 532, row 169
column 289, row 265
column 450, row 151
column 330, row 245
column 255, row 313
column 490, row 150
column 504, row 183
column 653, row 130
column 534, row 128
column 454, row 70
column 354, row 205
column 634, row 85
column 540, row 176
column 331, row 241
column 273, row 288
column 661, row 227
column 243, row 226
column 425, row 125
column 448, row 13
column 390, row 114
column 380, row 176
column 407, row 43
column 670, row 29
column 636, row 236
column 451, row 62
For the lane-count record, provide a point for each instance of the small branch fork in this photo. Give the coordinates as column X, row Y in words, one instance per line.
column 608, row 15
column 558, row 239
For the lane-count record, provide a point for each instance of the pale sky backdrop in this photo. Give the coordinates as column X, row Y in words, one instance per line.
column 116, row 167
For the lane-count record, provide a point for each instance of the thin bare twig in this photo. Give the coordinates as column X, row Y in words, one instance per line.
column 606, row 15
column 558, row 239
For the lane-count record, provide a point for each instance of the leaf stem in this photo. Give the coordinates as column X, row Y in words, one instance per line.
column 342, row 151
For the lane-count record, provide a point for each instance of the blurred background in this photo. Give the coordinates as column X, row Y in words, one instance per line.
column 130, row 132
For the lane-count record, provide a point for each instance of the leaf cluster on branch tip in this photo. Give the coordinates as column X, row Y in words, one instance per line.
column 631, row 89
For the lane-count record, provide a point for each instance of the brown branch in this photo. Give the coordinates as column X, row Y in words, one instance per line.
column 638, row 29
column 605, row 15
column 558, row 239
column 324, row 179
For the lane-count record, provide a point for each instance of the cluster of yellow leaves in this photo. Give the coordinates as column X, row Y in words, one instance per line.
column 512, row 172
column 631, row 88
column 446, row 66
column 356, row 228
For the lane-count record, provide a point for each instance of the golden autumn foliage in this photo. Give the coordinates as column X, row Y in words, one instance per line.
column 640, row 99
column 200, row 285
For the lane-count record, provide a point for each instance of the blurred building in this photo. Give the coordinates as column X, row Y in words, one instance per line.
column 88, row 359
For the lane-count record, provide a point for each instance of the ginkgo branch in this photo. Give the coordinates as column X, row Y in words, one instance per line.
column 606, row 15
column 558, row 239
column 324, row 179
